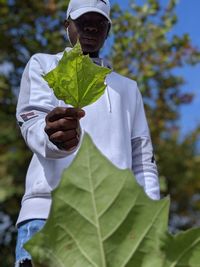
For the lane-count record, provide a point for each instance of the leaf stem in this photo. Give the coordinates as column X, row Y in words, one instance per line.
column 103, row 262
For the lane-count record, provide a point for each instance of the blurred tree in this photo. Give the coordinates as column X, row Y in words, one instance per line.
column 13, row 159
column 143, row 51
column 27, row 27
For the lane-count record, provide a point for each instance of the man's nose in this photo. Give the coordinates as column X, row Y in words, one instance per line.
column 90, row 28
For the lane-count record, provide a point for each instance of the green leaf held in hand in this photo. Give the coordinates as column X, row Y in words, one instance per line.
column 77, row 80
column 101, row 217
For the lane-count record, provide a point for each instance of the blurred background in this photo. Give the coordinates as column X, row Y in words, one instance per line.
column 157, row 43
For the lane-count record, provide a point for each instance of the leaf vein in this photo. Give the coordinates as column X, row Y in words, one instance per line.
column 144, row 234
column 78, row 211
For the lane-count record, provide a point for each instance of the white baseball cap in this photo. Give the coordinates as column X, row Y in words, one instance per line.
column 77, row 8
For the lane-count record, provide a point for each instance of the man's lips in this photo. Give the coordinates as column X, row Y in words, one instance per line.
column 88, row 40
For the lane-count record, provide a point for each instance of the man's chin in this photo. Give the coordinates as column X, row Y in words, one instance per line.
column 89, row 49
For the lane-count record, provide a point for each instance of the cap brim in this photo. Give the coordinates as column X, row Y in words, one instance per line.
column 76, row 14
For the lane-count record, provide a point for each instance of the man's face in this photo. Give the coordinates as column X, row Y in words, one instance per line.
column 91, row 29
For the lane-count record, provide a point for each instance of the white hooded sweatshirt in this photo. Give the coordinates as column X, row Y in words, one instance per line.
column 116, row 122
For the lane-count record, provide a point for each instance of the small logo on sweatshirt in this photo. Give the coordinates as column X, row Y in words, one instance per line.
column 28, row 116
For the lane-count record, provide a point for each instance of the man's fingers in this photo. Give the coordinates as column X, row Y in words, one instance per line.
column 63, row 137
column 59, row 113
column 75, row 113
column 55, row 114
column 69, row 145
column 63, row 124
column 80, row 113
column 63, row 128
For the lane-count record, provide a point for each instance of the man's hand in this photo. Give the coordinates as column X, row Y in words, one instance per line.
column 63, row 128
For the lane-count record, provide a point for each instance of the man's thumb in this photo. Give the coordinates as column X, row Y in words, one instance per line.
column 80, row 113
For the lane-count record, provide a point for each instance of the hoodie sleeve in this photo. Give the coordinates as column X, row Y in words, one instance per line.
column 35, row 101
column 143, row 162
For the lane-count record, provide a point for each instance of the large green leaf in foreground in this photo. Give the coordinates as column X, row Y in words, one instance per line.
column 100, row 217
column 77, row 80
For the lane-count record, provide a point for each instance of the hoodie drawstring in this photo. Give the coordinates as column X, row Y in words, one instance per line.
column 108, row 100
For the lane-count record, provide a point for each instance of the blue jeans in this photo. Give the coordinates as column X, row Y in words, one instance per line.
column 25, row 231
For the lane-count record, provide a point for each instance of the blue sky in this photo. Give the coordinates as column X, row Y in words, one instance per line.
column 188, row 22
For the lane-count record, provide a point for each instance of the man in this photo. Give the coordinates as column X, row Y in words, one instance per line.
column 53, row 131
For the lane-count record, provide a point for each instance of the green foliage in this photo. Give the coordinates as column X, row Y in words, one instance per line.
column 26, row 27
column 182, row 177
column 150, row 54
column 101, row 217
column 77, row 80
column 142, row 50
